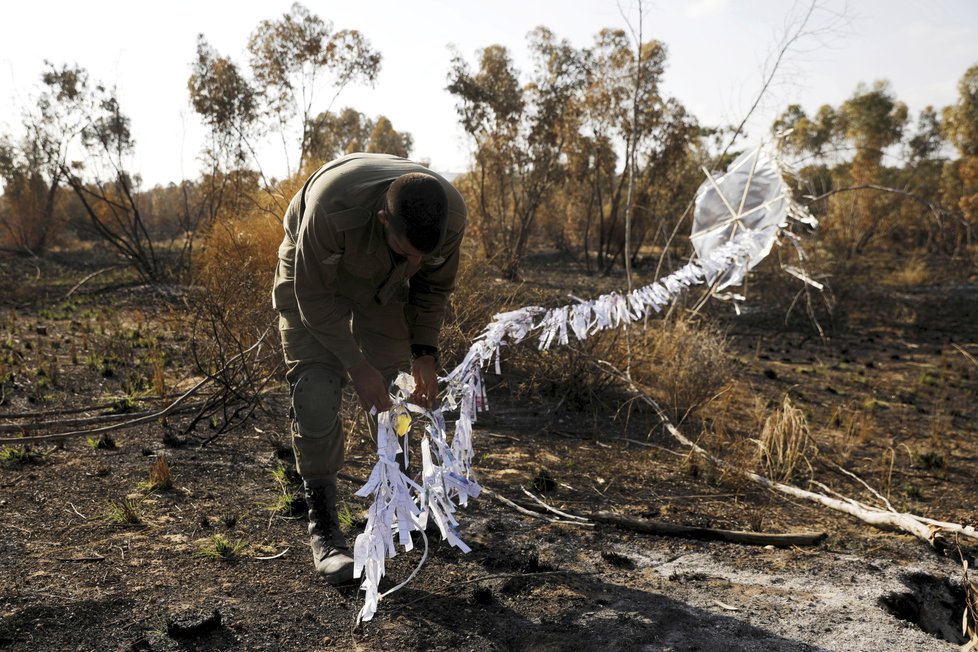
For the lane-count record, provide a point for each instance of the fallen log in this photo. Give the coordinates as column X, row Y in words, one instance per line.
column 661, row 528
column 649, row 526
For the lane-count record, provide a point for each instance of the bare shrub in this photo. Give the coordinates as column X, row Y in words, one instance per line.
column 566, row 374
column 683, row 362
column 778, row 300
column 570, row 375
column 32, row 216
column 785, row 447
column 235, row 340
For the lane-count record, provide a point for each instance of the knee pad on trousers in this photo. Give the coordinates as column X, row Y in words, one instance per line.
column 316, row 402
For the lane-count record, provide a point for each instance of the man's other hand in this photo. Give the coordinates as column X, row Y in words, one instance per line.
column 425, row 381
column 370, row 387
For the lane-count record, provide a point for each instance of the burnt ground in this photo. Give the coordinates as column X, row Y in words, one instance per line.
column 890, row 392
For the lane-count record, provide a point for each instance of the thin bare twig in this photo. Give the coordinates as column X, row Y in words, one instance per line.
column 66, row 423
column 522, row 510
column 651, row 445
column 965, row 354
column 550, row 508
column 852, row 475
column 649, row 526
column 48, row 413
column 794, row 33
column 90, row 277
column 134, row 422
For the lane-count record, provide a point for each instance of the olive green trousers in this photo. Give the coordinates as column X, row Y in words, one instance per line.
column 316, row 380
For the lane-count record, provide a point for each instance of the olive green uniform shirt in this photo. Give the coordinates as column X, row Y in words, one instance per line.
column 335, row 254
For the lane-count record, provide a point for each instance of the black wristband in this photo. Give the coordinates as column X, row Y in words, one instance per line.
column 421, row 350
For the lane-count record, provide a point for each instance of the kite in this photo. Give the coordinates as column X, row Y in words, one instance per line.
column 738, row 216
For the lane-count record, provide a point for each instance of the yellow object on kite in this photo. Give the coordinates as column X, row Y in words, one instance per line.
column 403, row 424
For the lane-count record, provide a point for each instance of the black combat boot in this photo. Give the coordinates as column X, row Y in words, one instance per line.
column 330, row 554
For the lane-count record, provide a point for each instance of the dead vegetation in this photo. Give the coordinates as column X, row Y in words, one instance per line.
column 785, row 447
column 685, row 361
column 889, row 401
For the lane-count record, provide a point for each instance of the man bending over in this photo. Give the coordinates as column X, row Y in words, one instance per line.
column 369, row 258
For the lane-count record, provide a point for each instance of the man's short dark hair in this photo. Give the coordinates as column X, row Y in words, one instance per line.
column 417, row 208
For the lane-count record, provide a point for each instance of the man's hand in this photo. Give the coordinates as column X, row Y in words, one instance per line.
column 370, row 387
column 425, row 381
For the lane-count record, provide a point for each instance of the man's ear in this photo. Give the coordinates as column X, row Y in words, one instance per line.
column 382, row 216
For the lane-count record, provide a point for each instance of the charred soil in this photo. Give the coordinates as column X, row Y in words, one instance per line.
column 99, row 555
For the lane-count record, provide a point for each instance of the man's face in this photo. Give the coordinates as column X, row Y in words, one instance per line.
column 399, row 244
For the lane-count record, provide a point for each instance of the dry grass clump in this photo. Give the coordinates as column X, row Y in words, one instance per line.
column 915, row 272
column 160, row 476
column 221, row 547
column 785, row 447
column 684, row 363
column 859, row 427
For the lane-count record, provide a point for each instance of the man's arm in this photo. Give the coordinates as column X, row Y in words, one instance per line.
column 425, row 312
column 319, row 250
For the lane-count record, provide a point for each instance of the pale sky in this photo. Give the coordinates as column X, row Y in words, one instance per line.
column 716, row 52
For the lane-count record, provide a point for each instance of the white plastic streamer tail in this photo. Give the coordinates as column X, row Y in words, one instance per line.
column 447, row 481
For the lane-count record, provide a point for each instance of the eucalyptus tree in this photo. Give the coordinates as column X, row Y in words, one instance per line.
column 31, row 216
column 625, row 113
column 292, row 56
column 920, row 221
column 490, row 106
column 334, row 134
column 385, row 139
column 811, row 143
column 870, row 121
column 228, row 104
column 809, row 139
column 880, row 178
column 520, row 131
column 960, row 126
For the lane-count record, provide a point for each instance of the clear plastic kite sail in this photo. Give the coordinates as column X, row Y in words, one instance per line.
column 737, row 219
column 750, row 197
